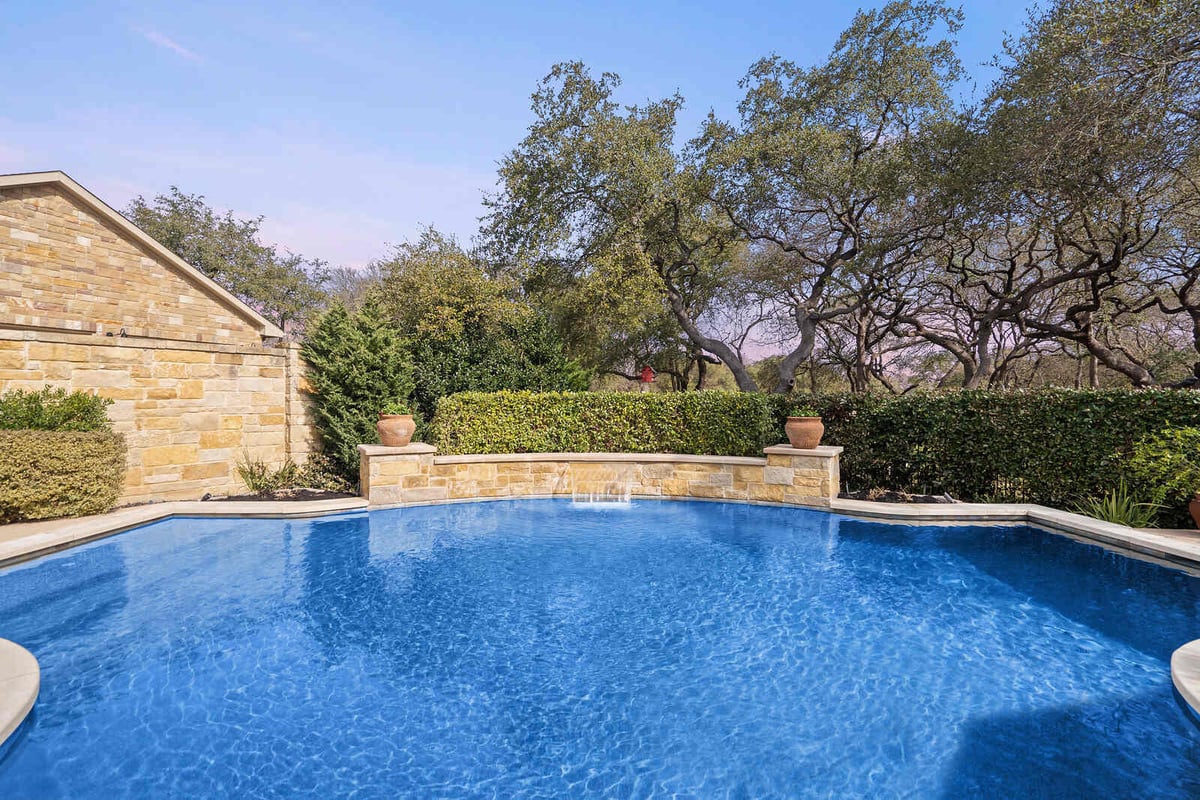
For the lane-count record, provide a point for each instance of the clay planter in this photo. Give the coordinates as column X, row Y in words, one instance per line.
column 1194, row 507
column 804, row 433
column 395, row 430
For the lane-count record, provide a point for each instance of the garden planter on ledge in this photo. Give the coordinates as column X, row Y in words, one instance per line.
column 804, row 433
column 1194, row 507
column 395, row 430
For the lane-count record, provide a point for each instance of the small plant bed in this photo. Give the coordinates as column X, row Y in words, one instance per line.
column 893, row 496
column 316, row 479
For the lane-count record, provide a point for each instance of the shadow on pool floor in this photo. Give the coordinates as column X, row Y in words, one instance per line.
column 1071, row 752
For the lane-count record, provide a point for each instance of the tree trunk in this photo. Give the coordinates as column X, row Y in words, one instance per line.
column 792, row 361
column 861, row 379
column 982, row 370
column 1195, row 315
column 727, row 354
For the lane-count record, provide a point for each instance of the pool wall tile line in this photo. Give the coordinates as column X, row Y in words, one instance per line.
column 416, row 475
column 25, row 540
column 20, row 680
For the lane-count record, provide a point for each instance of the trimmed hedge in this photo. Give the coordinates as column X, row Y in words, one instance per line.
column 49, row 474
column 1053, row 447
column 716, row 423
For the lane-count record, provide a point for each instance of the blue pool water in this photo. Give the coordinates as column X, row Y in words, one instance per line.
column 540, row 649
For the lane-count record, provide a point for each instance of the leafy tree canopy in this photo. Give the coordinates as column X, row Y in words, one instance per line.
column 435, row 287
column 284, row 287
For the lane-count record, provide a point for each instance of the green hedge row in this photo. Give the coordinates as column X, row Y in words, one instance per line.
column 49, row 474
column 720, row 423
column 1053, row 447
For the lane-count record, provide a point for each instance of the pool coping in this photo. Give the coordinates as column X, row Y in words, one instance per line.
column 20, row 682
column 1185, row 673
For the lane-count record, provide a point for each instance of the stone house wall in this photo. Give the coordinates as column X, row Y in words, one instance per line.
column 416, row 474
column 65, row 266
column 189, row 411
column 198, row 379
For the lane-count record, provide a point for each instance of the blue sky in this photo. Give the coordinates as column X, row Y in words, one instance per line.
column 349, row 125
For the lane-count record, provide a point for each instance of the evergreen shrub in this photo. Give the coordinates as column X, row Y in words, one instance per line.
column 519, row 354
column 1165, row 469
column 1054, row 447
column 356, row 363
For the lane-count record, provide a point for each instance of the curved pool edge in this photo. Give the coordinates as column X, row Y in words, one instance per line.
column 1175, row 549
column 1178, row 550
column 20, row 681
column 1185, row 674
column 24, row 541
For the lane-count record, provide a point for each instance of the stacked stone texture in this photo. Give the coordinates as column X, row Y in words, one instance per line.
column 63, row 267
column 397, row 476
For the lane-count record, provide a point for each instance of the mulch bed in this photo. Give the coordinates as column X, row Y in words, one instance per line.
column 891, row 496
column 286, row 494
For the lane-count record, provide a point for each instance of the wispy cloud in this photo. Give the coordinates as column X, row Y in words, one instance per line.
column 167, row 43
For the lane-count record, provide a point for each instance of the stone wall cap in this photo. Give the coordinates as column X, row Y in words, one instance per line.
column 618, row 458
column 414, row 449
column 1185, row 673
column 788, row 450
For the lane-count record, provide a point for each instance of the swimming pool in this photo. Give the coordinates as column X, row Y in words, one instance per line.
column 541, row 649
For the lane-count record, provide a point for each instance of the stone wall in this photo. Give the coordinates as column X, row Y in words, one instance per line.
column 64, row 266
column 416, row 474
column 89, row 302
column 189, row 411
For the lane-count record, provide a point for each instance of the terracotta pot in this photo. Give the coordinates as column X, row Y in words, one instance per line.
column 1194, row 507
column 395, row 430
column 804, row 433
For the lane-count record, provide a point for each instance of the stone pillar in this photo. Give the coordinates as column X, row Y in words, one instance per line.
column 808, row 477
column 392, row 475
column 300, row 430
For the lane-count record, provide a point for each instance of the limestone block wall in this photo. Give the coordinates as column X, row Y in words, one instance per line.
column 416, row 474
column 63, row 266
column 189, row 411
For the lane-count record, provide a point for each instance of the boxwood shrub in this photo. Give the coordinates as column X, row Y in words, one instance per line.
column 1054, row 447
column 49, row 474
column 51, row 409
